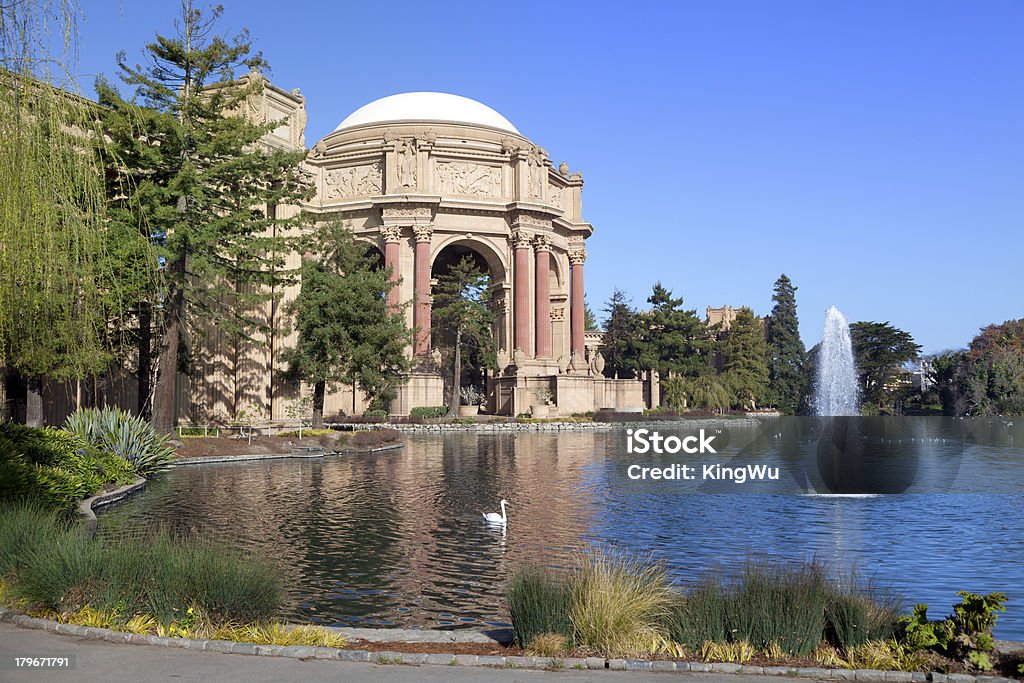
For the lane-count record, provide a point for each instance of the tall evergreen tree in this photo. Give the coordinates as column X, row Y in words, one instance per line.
column 786, row 352
column 675, row 340
column 193, row 169
column 746, row 359
column 461, row 310
column 621, row 336
column 347, row 332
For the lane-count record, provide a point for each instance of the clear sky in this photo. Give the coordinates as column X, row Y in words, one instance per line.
column 873, row 151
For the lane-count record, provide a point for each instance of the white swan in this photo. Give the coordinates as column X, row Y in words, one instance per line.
column 494, row 517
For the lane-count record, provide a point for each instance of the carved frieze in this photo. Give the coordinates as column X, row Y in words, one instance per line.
column 533, row 220
column 468, row 179
column 396, row 212
column 353, row 181
column 557, row 314
column 555, row 196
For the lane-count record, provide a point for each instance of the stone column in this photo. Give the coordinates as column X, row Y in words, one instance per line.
column 421, row 289
column 521, row 290
column 577, row 321
column 542, row 293
column 392, row 235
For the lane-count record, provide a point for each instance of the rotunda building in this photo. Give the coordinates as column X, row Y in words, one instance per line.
column 431, row 177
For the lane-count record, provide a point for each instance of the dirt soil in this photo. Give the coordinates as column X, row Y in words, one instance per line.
column 205, row 447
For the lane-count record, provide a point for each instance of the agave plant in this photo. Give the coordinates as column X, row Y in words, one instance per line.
column 120, row 433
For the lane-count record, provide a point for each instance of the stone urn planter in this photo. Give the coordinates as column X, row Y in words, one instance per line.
column 469, row 411
column 540, row 410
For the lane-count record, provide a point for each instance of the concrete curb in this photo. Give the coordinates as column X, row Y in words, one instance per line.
column 280, row 456
column 533, row 663
column 85, row 507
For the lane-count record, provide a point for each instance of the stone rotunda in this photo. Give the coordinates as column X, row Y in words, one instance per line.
column 429, row 177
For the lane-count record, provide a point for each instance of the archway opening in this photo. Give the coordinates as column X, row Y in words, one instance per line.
column 464, row 326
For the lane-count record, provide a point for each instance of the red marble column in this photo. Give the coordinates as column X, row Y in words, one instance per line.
column 577, row 321
column 392, row 235
column 521, row 290
column 542, row 294
column 421, row 290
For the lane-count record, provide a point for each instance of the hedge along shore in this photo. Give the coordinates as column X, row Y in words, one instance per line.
column 279, row 456
column 533, row 663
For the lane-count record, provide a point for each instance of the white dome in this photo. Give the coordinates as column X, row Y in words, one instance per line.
column 426, row 106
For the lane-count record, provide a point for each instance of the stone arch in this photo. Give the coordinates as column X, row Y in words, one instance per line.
column 497, row 263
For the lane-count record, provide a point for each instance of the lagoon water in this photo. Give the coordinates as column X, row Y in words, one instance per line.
column 396, row 538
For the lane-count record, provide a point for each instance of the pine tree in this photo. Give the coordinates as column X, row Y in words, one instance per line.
column 746, row 359
column 460, row 309
column 675, row 341
column 190, row 170
column 621, row 336
column 347, row 332
column 786, row 353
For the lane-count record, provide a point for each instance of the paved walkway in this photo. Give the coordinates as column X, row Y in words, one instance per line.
column 105, row 662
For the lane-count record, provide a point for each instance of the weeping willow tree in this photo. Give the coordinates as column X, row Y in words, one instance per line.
column 56, row 280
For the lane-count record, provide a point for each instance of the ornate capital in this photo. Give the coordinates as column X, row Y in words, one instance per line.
column 521, row 239
column 577, row 255
column 422, row 233
column 558, row 314
column 391, row 233
column 541, row 243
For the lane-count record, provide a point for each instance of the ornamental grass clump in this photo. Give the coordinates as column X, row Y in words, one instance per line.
column 700, row 614
column 618, row 605
column 539, row 605
column 781, row 603
column 59, row 567
column 120, row 433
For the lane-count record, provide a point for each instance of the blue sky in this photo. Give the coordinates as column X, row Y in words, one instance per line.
column 873, row 151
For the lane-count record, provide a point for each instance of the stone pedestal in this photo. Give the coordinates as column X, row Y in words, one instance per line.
column 419, row 389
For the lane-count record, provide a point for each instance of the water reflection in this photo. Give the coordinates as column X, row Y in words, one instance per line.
column 396, row 538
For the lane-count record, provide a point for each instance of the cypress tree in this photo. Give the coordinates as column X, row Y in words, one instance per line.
column 786, row 355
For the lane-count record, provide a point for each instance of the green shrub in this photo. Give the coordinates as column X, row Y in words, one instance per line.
column 375, row 412
column 965, row 635
column 427, row 412
column 539, row 604
column 120, row 433
column 54, row 467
